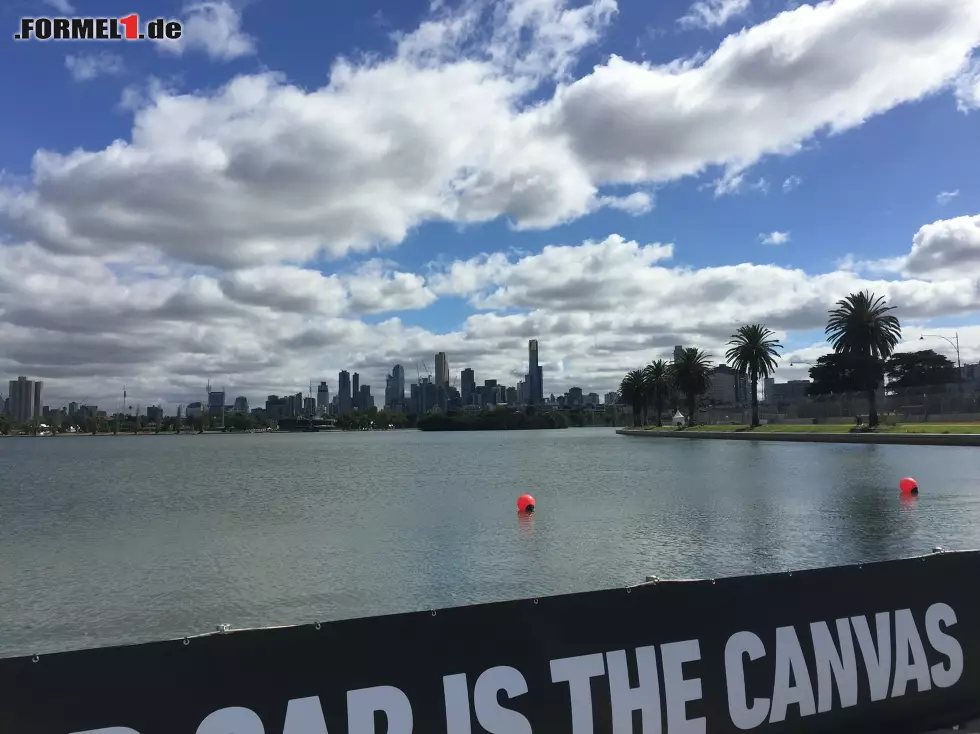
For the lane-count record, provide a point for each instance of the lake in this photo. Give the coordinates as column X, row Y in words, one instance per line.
column 115, row 540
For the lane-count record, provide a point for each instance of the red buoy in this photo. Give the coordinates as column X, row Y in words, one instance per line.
column 525, row 503
column 908, row 486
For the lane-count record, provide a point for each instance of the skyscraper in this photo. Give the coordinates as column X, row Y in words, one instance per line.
column 356, row 392
column 442, row 369
column 536, row 391
column 343, row 391
column 25, row 398
column 678, row 353
column 322, row 398
column 468, row 386
column 398, row 375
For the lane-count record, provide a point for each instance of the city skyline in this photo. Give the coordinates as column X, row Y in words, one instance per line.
column 259, row 211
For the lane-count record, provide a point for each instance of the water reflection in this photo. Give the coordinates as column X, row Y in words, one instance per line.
column 525, row 524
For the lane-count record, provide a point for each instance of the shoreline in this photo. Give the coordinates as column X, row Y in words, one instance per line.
column 904, row 439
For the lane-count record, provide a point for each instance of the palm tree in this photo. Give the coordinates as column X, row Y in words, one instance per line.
column 692, row 376
column 633, row 392
column 657, row 383
column 861, row 327
column 753, row 354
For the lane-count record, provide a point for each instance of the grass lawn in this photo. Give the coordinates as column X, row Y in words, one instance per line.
column 836, row 428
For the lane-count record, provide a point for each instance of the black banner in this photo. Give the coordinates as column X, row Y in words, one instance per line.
column 891, row 646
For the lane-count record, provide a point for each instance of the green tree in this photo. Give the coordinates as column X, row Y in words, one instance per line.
column 753, row 354
column 658, row 382
column 692, row 376
column 862, row 327
column 834, row 374
column 633, row 391
column 924, row 368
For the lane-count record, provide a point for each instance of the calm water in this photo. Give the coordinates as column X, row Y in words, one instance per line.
column 118, row 540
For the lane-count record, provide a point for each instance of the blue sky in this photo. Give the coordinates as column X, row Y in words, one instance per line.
column 202, row 241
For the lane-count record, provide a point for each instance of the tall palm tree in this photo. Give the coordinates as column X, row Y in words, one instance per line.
column 753, row 355
column 658, row 382
column 861, row 327
column 692, row 376
column 632, row 390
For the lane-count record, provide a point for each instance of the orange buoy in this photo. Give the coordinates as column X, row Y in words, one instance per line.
column 908, row 486
column 525, row 503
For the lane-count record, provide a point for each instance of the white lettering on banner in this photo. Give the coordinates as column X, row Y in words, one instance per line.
column 908, row 642
column 878, row 664
column 578, row 672
column 363, row 703
column 624, row 700
column 235, row 720
column 678, row 690
column 743, row 716
column 456, row 693
column 790, row 665
column 944, row 644
column 493, row 717
column 834, row 665
column 304, row 716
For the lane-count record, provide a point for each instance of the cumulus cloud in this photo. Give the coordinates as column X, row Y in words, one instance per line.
column 967, row 87
column 713, row 13
column 85, row 67
column 185, row 250
column 214, row 28
column 945, row 197
column 774, row 238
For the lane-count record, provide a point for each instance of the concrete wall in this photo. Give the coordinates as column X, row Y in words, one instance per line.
column 908, row 439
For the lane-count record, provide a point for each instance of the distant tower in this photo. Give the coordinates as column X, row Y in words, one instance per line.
column 678, row 353
column 442, row 369
column 536, row 392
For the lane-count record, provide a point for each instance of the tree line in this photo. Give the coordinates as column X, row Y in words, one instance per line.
column 861, row 330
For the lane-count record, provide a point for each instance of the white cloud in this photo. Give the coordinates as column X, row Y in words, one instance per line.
column 967, row 87
column 84, row 68
column 945, row 197
column 713, row 13
column 774, row 238
column 735, row 183
column 639, row 202
column 62, row 6
column 791, row 183
column 214, row 28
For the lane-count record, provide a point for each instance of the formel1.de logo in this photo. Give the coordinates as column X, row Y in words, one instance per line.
column 126, row 28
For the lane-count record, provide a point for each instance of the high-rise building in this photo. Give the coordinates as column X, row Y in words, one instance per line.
column 356, row 392
column 216, row 402
column 769, row 389
column 241, row 404
column 322, row 398
column 25, row 398
column 309, row 406
column 678, row 353
column 365, row 401
column 398, row 385
column 536, row 389
column 343, row 392
column 442, row 369
column 468, row 386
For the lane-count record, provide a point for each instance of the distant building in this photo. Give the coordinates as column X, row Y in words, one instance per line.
column 678, row 353
column 611, row 398
column 356, row 392
column 154, row 413
column 193, row 410
column 574, row 398
column 25, row 399
column 768, row 388
column 365, row 400
column 442, row 369
column 241, row 404
column 467, row 386
column 343, row 392
column 592, row 398
column 322, row 398
column 793, row 391
column 216, row 402
column 72, row 408
column 723, row 387
column 534, row 374
column 309, row 406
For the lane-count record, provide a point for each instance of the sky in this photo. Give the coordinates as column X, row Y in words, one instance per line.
column 296, row 187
